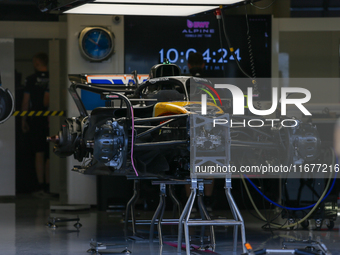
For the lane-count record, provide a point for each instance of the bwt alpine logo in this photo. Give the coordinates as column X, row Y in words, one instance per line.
column 195, row 28
column 198, row 24
column 238, row 103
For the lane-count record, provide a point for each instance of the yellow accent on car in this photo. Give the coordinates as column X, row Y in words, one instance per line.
column 168, row 108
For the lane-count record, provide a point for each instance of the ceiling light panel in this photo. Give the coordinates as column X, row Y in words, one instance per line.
column 135, row 9
column 194, row 2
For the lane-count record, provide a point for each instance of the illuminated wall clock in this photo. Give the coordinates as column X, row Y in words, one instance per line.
column 96, row 43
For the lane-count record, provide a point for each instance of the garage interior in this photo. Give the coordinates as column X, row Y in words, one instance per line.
column 292, row 43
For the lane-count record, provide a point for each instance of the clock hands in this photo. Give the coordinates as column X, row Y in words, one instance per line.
column 100, row 34
column 96, row 42
column 91, row 40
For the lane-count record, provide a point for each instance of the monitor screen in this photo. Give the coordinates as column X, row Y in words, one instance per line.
column 149, row 40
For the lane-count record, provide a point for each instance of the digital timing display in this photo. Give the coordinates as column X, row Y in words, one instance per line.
column 209, row 56
column 149, row 40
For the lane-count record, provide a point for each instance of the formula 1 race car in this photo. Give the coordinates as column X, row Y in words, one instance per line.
column 148, row 129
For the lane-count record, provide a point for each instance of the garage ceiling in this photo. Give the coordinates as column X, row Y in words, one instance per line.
column 315, row 8
column 27, row 10
column 23, row 10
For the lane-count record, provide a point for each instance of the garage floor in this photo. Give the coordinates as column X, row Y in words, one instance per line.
column 23, row 231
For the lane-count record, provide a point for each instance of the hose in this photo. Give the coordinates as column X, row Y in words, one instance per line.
column 132, row 139
column 221, row 45
column 283, row 207
column 252, row 65
column 323, row 196
column 263, row 8
column 231, row 49
column 252, row 61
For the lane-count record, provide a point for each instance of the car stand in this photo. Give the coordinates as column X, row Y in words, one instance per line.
column 130, row 207
column 51, row 222
column 186, row 221
column 158, row 215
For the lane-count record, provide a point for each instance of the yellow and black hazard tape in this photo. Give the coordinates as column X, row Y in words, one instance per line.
column 39, row 113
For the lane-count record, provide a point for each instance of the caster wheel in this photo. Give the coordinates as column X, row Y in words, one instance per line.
column 318, row 224
column 126, row 251
column 291, row 221
column 54, row 226
column 305, row 224
column 330, row 226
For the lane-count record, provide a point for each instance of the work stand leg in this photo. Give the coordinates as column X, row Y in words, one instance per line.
column 176, row 209
column 186, row 227
column 183, row 221
column 205, row 216
column 159, row 225
column 186, row 214
column 177, row 204
column 159, row 212
column 131, row 207
column 237, row 216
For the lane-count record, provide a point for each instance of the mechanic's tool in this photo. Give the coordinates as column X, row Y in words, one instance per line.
column 102, row 248
column 249, row 249
column 299, row 247
column 310, row 245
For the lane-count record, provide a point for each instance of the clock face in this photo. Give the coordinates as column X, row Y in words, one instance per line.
column 96, row 43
